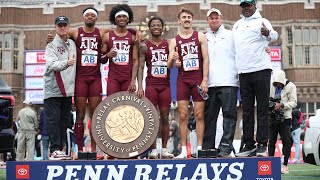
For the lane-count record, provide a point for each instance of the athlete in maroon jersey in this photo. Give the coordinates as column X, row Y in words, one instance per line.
column 154, row 53
column 88, row 78
column 190, row 50
column 122, row 51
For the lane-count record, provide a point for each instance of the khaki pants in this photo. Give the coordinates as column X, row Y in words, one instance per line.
column 26, row 142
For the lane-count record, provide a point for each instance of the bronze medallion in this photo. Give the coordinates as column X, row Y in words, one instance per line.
column 124, row 125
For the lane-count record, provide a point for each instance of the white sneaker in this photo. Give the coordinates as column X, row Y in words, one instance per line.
column 154, row 154
column 165, row 154
column 59, row 155
column 181, row 156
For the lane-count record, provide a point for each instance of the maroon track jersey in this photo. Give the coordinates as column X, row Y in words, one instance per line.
column 121, row 65
column 88, row 53
column 190, row 54
column 156, row 61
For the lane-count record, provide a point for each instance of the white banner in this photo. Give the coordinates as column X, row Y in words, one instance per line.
column 34, row 83
column 35, row 70
column 35, row 96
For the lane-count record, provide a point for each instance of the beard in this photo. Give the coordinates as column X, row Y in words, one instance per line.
column 89, row 24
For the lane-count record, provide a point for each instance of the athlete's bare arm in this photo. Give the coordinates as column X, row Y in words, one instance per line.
column 135, row 46
column 172, row 53
column 205, row 57
column 103, row 31
column 142, row 57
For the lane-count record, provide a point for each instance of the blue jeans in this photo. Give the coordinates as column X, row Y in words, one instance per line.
column 296, row 140
column 45, row 145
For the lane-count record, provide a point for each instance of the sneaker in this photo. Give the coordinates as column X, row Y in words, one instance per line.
column 262, row 151
column 246, row 151
column 295, row 161
column 165, row 154
column 154, row 154
column 59, row 155
column 225, row 154
column 284, row 169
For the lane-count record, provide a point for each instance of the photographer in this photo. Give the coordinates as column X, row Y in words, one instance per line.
column 283, row 99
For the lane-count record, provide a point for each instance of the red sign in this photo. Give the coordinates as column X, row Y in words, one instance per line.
column 264, row 168
column 22, row 172
column 41, row 57
column 275, row 54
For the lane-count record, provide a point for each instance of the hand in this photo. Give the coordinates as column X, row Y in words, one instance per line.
column 267, row 49
column 140, row 92
column 112, row 53
column 204, row 87
column 49, row 38
column 176, row 57
column 71, row 61
column 277, row 106
column 132, row 87
column 140, row 36
column 264, row 30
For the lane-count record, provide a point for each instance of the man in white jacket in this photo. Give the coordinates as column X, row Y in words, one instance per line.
column 223, row 85
column 59, row 80
column 251, row 34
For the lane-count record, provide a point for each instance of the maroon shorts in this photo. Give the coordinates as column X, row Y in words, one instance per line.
column 115, row 85
column 159, row 95
column 88, row 87
column 187, row 87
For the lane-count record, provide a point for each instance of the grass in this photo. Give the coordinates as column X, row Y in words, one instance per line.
column 2, row 174
column 302, row 172
column 297, row 172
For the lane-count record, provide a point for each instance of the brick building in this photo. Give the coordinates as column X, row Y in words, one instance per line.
column 25, row 24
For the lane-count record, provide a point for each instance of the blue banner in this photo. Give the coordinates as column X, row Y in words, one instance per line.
column 221, row 168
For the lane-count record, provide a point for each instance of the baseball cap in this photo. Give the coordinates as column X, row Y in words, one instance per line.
column 213, row 10
column 62, row 20
column 27, row 102
column 247, row 1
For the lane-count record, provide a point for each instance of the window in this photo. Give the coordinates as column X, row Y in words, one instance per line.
column 7, row 38
column 9, row 51
column 297, row 36
column 15, row 41
column 290, row 55
column 313, row 36
column 299, row 55
column 306, row 36
column 315, row 54
column 289, row 31
column 1, row 40
column 304, row 46
column 307, row 53
column 15, row 59
column 309, row 108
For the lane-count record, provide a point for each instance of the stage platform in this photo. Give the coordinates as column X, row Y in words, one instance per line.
column 251, row 168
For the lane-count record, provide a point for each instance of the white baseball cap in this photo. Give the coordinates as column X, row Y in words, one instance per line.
column 27, row 102
column 214, row 10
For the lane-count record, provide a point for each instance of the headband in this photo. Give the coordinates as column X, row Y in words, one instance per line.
column 122, row 12
column 90, row 11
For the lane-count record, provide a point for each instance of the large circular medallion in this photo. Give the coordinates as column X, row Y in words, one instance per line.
column 124, row 125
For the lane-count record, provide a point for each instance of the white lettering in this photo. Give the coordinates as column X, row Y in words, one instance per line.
column 90, row 174
column 200, row 171
column 235, row 171
column 162, row 171
column 114, row 174
column 216, row 170
column 142, row 171
column 70, row 172
column 179, row 171
column 54, row 171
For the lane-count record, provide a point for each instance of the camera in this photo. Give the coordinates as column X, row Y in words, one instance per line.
column 276, row 116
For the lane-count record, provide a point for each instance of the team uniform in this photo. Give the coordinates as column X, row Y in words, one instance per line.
column 88, row 77
column 120, row 71
column 158, row 75
column 190, row 73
